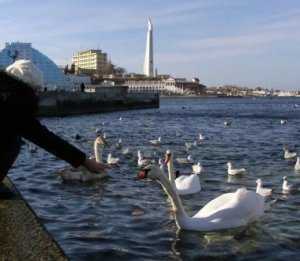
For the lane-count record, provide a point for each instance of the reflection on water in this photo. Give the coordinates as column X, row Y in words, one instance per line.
column 122, row 218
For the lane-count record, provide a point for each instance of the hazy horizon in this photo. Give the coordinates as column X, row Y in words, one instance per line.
column 219, row 41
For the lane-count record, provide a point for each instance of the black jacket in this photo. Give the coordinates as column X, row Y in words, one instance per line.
column 18, row 108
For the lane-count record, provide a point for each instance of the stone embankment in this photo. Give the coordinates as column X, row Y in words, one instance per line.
column 106, row 99
column 22, row 236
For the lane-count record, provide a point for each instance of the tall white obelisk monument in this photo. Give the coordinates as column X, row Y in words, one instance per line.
column 148, row 63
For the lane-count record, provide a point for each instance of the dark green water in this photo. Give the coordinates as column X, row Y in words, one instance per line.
column 97, row 221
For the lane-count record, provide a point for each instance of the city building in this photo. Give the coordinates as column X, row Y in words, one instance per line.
column 148, row 63
column 166, row 86
column 52, row 75
column 90, row 61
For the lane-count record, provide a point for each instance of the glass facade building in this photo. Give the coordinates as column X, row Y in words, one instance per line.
column 53, row 76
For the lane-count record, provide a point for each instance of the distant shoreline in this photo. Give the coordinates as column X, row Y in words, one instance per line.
column 226, row 97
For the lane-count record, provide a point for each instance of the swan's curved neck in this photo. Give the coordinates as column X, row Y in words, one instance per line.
column 171, row 171
column 180, row 213
column 98, row 152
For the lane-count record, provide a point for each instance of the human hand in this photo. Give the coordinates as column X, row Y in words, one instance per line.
column 94, row 166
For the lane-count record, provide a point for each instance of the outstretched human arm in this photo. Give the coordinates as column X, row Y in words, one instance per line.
column 18, row 105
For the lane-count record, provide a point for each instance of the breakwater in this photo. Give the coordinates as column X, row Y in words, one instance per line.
column 22, row 236
column 105, row 99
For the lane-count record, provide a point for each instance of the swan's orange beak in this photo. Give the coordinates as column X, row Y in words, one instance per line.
column 143, row 174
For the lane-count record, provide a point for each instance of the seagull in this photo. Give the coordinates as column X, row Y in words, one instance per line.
column 187, row 160
column 287, row 188
column 197, row 168
column 297, row 165
column 119, row 144
column 201, row 137
column 265, row 192
column 231, row 171
column 282, row 122
column 288, row 154
column 111, row 160
column 227, row 123
column 156, row 142
column 189, row 145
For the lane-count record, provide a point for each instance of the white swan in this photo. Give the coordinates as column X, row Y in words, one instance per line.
column 288, row 154
column 231, row 171
column 297, row 165
column 83, row 174
column 185, row 184
column 287, row 188
column 111, row 160
column 229, row 210
column 156, row 142
column 187, row 160
column 265, row 192
column 197, row 168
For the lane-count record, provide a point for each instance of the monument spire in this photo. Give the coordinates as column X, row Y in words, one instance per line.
column 148, row 63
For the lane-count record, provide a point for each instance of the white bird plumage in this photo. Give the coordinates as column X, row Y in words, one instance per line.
column 197, row 168
column 201, row 137
column 83, row 174
column 288, row 154
column 142, row 162
column 189, row 145
column 282, row 122
column 156, row 142
column 229, row 210
column 187, row 160
column 297, row 164
column 287, row 188
column 111, row 160
column 265, row 192
column 185, row 184
column 232, row 171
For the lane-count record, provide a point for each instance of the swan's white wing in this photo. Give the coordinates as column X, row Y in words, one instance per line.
column 187, row 184
column 242, row 205
column 213, row 206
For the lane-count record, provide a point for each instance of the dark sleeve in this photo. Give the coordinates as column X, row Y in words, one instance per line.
column 18, row 107
column 34, row 131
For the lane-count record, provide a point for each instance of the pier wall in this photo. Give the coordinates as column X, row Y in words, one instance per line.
column 22, row 236
column 105, row 99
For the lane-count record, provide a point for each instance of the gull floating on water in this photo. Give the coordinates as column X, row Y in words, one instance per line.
column 227, row 123
column 282, row 122
column 187, row 160
column 297, row 165
column 111, row 160
column 189, row 145
column 197, row 168
column 156, row 142
column 287, row 188
column 288, row 154
column 201, row 137
column 119, row 144
column 265, row 192
column 231, row 171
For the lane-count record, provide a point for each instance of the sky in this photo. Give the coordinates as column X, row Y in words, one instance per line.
column 242, row 42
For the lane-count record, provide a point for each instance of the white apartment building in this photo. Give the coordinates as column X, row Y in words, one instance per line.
column 90, row 60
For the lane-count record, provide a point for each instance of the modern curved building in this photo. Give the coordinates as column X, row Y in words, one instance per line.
column 53, row 76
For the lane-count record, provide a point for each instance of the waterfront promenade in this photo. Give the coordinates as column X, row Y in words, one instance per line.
column 22, row 236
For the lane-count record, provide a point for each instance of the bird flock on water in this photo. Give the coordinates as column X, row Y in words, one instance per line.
column 228, row 210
